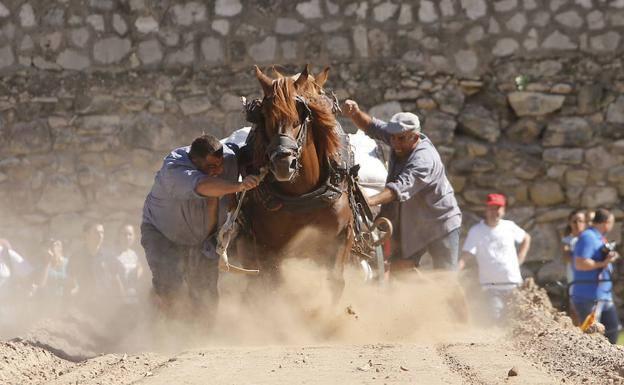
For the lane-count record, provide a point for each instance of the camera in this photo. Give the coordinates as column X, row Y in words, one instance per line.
column 607, row 248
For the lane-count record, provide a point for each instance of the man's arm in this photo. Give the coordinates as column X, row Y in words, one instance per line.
column 463, row 259
column 352, row 111
column 217, row 187
column 524, row 248
column 386, row 196
column 588, row 264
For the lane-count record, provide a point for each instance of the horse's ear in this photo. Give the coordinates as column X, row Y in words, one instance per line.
column 303, row 77
column 322, row 77
column 264, row 80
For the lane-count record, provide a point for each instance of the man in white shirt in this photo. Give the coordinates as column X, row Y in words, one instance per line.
column 493, row 243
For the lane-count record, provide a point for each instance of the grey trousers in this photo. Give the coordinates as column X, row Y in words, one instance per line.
column 172, row 265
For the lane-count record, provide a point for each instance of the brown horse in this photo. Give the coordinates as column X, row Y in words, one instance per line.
column 301, row 209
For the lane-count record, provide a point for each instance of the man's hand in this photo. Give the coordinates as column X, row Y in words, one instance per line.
column 611, row 257
column 250, row 181
column 350, row 108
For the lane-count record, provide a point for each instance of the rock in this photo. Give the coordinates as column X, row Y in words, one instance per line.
column 221, row 26
column 530, row 43
column 599, row 158
column 479, row 122
column 475, row 9
column 545, row 243
column 360, row 40
column 310, row 9
column 513, row 372
column 615, row 111
column 6, row 56
column 331, row 26
column 4, row 11
column 338, row 46
column 111, row 50
column 427, row 12
column 552, row 215
column 288, row 26
column 385, row 111
column 265, row 50
column 589, row 99
column 27, row 44
column 505, row 5
column 468, row 165
column 51, row 41
column 616, row 174
column 289, row 49
column 558, row 41
column 567, row 131
column 440, row 127
column 450, row 99
column 570, row 19
column 595, row 20
column 577, row 177
column 98, row 124
column 150, row 52
column 546, row 193
column 525, row 130
column 27, row 16
column 146, row 24
column 384, row 11
column 149, row 132
column 476, row 196
column 195, row 105
column 189, row 13
column 534, row 103
column 119, row 24
column 505, row 47
column 156, row 107
column 212, row 50
column 97, row 22
column 73, row 60
column 228, row 8
column 185, row 56
column 447, row 7
column 54, row 17
column 30, row 138
column 594, row 197
column 475, row 34
column 426, row 104
column 79, row 37
column 493, row 26
column 607, row 42
column 405, row 14
column 517, row 23
column 563, row 155
column 61, row 195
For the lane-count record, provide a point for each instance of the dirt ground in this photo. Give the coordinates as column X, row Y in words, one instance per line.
column 405, row 332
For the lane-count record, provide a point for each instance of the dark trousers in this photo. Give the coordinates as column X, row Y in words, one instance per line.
column 609, row 317
column 444, row 251
column 172, row 265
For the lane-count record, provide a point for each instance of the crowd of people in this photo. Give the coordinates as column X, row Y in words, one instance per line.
column 88, row 274
column 188, row 202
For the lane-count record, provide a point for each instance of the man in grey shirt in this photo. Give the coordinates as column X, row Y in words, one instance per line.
column 418, row 198
column 181, row 215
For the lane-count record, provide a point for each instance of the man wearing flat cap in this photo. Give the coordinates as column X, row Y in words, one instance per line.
column 418, row 198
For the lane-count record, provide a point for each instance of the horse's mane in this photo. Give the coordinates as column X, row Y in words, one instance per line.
column 284, row 108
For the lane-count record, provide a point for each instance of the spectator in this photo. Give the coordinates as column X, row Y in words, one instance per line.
column 13, row 268
column 592, row 274
column 493, row 242
column 130, row 267
column 180, row 222
column 91, row 267
column 53, row 280
column 418, row 198
column 577, row 223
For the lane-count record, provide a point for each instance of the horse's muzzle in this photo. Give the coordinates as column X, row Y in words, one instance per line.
column 283, row 166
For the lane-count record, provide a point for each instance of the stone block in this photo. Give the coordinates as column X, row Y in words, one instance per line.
column 567, row 131
column 384, row 111
column 146, row 24
column 479, row 122
column 545, row 244
column 447, row 7
column 289, row 49
column 476, row 196
column 589, row 98
column 310, row 9
column 150, row 52
column 184, row 56
column 505, row 5
column 546, row 193
column 563, row 155
column 468, row 165
column 475, row 34
column 440, row 127
column 195, row 105
column 360, row 40
column 4, row 11
column 466, row 61
column 427, row 12
column 599, row 158
column 338, row 47
column 595, row 20
column 595, row 197
column 615, row 111
column 51, row 41
column 607, row 42
column 79, row 36
column 119, row 24
column 111, row 50
column 474, row 9
column 149, row 132
column 517, row 23
column 450, row 99
column 331, row 26
column 97, row 22
column 228, row 8
column 288, row 26
column 98, row 124
column 553, row 215
column 505, row 47
column 6, row 56
column 559, row 41
column 265, row 50
column 212, row 50
column 525, row 130
column 189, row 13
column 616, row 174
column 27, row 16
column 222, row 26
column 70, row 59
column 30, row 138
column 534, row 103
column 385, row 11
column 570, row 19
column 61, row 194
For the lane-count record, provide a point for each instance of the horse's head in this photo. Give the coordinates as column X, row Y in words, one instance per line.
column 286, row 117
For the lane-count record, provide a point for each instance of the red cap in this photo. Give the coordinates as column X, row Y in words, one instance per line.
column 496, row 200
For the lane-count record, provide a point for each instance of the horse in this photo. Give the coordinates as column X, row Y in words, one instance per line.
column 302, row 207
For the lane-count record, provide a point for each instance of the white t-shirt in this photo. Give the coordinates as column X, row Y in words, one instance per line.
column 12, row 264
column 495, row 249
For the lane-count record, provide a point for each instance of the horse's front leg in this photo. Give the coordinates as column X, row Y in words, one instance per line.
column 336, row 274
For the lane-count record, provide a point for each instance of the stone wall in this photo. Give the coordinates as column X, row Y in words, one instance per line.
column 522, row 97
